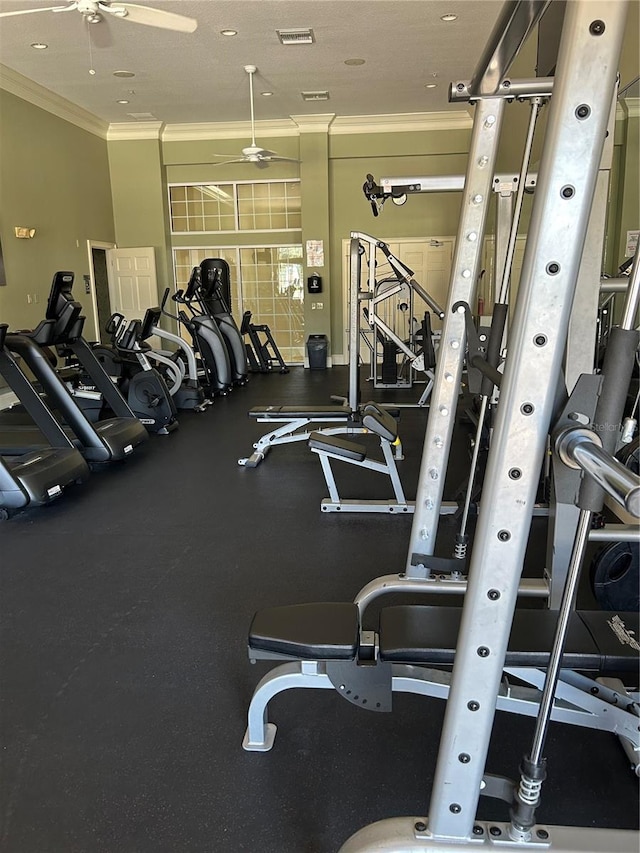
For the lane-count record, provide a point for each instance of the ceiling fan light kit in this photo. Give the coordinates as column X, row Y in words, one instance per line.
column 93, row 12
column 254, row 153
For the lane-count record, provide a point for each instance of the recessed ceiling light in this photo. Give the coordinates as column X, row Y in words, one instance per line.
column 38, row 45
column 430, row 85
column 354, row 61
column 228, row 32
column 123, row 74
column 266, row 94
column 449, row 17
column 122, row 101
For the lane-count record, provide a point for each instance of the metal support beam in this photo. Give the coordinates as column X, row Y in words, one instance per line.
column 585, row 81
column 516, row 22
column 464, row 274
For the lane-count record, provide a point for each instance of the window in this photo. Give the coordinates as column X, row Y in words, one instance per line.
column 266, row 280
column 235, row 206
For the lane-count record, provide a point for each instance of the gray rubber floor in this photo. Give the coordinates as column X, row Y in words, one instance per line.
column 124, row 678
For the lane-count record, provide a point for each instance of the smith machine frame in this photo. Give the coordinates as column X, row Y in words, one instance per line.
column 568, row 178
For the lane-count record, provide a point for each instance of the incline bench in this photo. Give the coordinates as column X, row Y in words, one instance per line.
column 295, row 421
column 324, row 646
column 378, row 421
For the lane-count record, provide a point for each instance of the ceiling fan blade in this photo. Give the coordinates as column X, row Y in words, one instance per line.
column 151, row 17
column 226, row 162
column 41, row 9
column 283, row 159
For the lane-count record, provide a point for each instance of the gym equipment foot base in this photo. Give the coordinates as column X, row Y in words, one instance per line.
column 263, row 745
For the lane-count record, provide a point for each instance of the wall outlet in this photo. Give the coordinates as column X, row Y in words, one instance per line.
column 319, row 305
column 35, row 298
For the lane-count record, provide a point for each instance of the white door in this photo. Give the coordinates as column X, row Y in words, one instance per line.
column 133, row 285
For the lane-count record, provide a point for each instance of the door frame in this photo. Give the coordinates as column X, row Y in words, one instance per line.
column 95, row 244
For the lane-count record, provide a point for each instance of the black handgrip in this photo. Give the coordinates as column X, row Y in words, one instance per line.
column 490, row 374
column 113, row 323
column 494, row 346
column 370, row 189
column 165, row 296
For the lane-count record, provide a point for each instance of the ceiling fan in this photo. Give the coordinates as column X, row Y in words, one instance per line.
column 93, row 12
column 254, row 153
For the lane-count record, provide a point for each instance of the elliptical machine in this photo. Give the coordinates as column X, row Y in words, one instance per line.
column 215, row 291
column 139, row 382
column 215, row 375
column 190, row 393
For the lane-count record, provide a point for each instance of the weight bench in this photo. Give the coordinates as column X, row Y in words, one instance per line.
column 375, row 420
column 323, row 646
column 295, row 421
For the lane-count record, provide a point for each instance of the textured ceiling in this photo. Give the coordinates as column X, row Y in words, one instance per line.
column 200, row 77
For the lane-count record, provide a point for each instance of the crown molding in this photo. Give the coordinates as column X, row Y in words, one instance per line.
column 28, row 90
column 13, row 82
column 402, row 122
column 319, row 123
column 191, row 132
column 123, row 130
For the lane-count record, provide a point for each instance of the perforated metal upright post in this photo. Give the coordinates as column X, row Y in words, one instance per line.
column 354, row 323
column 465, row 267
column 585, row 80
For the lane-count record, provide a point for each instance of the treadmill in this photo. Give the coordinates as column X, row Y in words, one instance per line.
column 38, row 477
column 107, row 440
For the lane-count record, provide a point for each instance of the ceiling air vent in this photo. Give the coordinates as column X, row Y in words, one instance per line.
column 315, row 96
column 143, row 116
column 299, row 36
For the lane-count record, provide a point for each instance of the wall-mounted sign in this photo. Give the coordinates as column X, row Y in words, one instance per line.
column 315, row 253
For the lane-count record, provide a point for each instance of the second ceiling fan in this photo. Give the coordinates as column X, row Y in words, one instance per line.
column 255, row 153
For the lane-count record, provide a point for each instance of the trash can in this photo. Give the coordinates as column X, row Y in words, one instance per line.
column 317, row 347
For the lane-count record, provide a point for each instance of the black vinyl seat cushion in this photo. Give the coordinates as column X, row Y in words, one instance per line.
column 617, row 635
column 337, row 446
column 315, row 413
column 325, row 631
column 428, row 635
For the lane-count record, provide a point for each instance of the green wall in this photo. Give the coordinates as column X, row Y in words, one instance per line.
column 332, row 171
column 140, row 205
column 72, row 185
column 54, row 177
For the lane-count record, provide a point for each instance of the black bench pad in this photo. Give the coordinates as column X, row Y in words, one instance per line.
column 428, row 635
column 325, row 631
column 315, row 413
column 337, row 446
